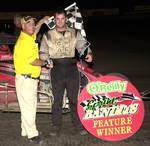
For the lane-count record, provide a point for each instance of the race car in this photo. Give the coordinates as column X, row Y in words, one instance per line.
column 8, row 98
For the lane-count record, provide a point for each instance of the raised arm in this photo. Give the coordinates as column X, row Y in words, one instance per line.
column 40, row 22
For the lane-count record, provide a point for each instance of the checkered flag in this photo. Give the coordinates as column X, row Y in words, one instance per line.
column 50, row 22
column 74, row 19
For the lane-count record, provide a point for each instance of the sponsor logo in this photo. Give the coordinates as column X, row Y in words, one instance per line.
column 111, row 108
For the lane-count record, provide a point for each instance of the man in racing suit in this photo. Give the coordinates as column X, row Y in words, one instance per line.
column 60, row 44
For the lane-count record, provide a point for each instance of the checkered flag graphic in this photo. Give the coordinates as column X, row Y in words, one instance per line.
column 94, row 97
column 74, row 19
column 125, row 96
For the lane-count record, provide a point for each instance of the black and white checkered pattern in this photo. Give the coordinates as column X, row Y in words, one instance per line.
column 50, row 22
column 74, row 19
column 125, row 96
column 94, row 97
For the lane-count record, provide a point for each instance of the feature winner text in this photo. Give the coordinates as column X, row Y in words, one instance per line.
column 115, row 126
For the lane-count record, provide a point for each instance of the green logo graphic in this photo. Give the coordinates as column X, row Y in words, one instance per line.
column 102, row 87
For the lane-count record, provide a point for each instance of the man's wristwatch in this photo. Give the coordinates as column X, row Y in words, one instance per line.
column 48, row 63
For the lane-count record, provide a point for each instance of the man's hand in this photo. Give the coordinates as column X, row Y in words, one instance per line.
column 89, row 58
column 45, row 18
column 40, row 22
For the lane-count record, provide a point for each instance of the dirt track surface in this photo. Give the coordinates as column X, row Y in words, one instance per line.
column 10, row 132
column 119, row 44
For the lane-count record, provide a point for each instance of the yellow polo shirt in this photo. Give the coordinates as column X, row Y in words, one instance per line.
column 25, row 52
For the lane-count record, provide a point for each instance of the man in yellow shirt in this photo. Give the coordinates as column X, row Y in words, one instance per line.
column 27, row 68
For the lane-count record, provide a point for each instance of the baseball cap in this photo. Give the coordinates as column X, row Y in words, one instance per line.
column 27, row 19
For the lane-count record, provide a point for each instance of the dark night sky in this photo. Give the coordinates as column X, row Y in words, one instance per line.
column 47, row 5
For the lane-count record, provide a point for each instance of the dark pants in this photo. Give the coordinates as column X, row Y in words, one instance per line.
column 65, row 75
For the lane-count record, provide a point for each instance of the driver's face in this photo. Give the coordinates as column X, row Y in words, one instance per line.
column 60, row 20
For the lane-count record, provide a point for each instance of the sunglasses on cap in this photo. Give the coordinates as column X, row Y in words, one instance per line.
column 27, row 19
